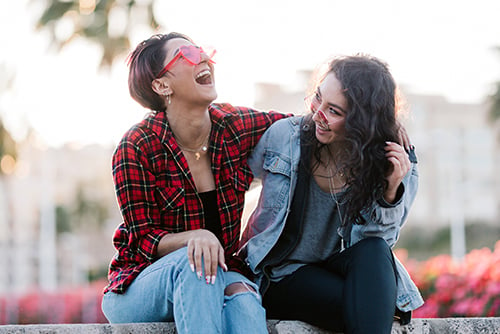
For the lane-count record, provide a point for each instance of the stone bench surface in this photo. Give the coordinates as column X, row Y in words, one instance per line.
column 417, row 326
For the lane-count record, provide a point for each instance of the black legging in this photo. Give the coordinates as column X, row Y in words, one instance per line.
column 354, row 292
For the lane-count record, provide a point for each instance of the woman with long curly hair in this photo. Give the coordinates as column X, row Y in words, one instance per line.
column 336, row 189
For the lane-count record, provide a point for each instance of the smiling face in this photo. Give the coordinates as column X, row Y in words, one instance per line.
column 187, row 82
column 329, row 107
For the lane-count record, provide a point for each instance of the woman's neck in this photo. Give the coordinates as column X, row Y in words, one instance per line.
column 328, row 174
column 190, row 127
column 330, row 160
column 333, row 153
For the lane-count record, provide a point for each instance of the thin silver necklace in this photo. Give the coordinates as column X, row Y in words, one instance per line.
column 333, row 194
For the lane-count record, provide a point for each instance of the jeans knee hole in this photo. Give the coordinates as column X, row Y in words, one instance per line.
column 238, row 287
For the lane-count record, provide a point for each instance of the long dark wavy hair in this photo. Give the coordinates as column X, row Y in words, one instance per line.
column 371, row 94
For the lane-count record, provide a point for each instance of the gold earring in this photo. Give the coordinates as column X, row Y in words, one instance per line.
column 168, row 99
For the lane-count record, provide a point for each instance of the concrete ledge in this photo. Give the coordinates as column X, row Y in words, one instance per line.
column 417, row 326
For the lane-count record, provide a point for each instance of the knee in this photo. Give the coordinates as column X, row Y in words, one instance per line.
column 239, row 287
column 374, row 248
column 374, row 245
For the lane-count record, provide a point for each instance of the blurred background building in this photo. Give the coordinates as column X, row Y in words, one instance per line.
column 57, row 214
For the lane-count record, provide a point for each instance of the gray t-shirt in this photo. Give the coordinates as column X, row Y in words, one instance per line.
column 319, row 239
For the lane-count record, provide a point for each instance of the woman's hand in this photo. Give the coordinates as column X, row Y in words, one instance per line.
column 400, row 165
column 205, row 251
column 404, row 139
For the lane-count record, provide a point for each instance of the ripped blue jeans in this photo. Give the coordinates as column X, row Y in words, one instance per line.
column 168, row 290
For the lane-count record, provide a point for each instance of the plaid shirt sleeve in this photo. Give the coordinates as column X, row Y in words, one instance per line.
column 245, row 127
column 135, row 184
column 250, row 126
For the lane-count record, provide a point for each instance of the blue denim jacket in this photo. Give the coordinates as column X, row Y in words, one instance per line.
column 275, row 161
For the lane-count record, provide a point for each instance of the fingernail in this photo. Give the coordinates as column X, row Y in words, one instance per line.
column 212, row 279
column 225, row 267
column 207, row 279
column 192, row 267
column 198, row 274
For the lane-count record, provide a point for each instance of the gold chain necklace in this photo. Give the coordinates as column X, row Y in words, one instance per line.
column 197, row 152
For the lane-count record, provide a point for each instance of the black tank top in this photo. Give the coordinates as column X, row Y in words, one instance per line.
column 212, row 218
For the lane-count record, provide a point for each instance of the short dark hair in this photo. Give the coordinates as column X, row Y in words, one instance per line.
column 145, row 62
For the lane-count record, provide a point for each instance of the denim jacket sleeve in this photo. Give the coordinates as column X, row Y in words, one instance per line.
column 256, row 159
column 273, row 161
column 385, row 220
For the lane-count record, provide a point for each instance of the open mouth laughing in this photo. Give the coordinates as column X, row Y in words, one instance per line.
column 204, row 77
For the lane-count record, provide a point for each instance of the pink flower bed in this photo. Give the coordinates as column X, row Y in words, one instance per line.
column 71, row 305
column 467, row 288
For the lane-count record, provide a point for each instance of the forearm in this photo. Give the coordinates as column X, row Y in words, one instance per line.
column 173, row 241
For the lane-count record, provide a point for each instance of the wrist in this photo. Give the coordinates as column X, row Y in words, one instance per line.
column 390, row 196
column 393, row 195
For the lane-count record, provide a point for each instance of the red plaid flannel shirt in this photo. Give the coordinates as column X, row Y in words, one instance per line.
column 156, row 193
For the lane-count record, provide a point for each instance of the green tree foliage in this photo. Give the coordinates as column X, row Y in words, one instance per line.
column 63, row 220
column 495, row 104
column 494, row 112
column 88, row 212
column 83, row 214
column 91, row 20
column 7, row 144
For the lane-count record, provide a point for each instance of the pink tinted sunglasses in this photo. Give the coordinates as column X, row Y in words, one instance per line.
column 313, row 105
column 189, row 52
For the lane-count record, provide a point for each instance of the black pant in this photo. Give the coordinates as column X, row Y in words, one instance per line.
column 353, row 292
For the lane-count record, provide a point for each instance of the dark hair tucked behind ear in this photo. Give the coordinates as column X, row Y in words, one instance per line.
column 370, row 91
column 145, row 62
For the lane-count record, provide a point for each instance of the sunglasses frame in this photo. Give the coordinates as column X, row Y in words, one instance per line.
column 187, row 57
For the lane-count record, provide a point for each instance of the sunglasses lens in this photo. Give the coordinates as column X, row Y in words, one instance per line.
column 322, row 116
column 192, row 54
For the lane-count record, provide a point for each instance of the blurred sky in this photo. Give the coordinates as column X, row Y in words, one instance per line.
column 433, row 47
